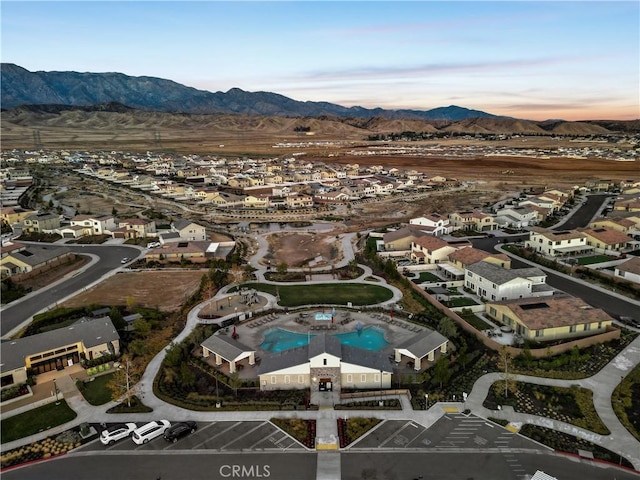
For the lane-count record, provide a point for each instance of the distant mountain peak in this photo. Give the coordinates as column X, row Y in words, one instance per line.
column 22, row 87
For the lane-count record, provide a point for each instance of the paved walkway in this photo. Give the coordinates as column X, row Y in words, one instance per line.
column 602, row 384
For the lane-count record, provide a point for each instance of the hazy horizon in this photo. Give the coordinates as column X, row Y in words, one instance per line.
column 532, row 60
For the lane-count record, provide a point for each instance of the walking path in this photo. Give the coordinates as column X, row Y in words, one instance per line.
column 602, row 384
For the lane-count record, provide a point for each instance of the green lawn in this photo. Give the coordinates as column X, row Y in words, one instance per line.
column 326, row 293
column 426, row 277
column 96, row 391
column 461, row 302
column 476, row 322
column 36, row 420
column 595, row 259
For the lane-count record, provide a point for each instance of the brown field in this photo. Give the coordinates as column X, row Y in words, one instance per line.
column 164, row 290
column 297, row 249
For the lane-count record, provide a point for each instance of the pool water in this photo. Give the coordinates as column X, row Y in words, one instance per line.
column 278, row 339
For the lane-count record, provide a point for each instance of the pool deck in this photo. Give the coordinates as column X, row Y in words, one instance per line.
column 251, row 332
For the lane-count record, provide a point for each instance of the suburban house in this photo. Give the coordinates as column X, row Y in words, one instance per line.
column 71, row 231
column 607, row 240
column 553, row 243
column 434, row 224
column 57, row 349
column 170, row 252
column 325, row 365
column 13, row 215
column 20, row 259
column 401, row 239
column 624, row 225
column 554, row 318
column 94, row 224
column 630, row 205
column 473, row 220
column 491, row 282
column 516, row 217
column 468, row 256
column 298, row 200
column 189, row 230
column 629, row 270
column 135, row 228
column 430, row 249
column 41, row 222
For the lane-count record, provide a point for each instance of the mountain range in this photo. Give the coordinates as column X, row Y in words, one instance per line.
column 23, row 87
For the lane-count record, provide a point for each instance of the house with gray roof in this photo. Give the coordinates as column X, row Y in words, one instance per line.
column 21, row 259
column 325, row 364
column 56, row 349
column 189, row 230
column 425, row 344
column 492, row 282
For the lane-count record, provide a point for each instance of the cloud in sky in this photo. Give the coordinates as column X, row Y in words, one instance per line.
column 416, row 54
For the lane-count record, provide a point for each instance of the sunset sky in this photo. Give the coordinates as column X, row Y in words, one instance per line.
column 535, row 60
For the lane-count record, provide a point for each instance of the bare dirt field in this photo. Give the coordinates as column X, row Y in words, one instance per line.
column 300, row 249
column 164, row 290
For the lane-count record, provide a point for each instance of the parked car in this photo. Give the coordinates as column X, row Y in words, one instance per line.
column 125, row 260
column 117, row 432
column 179, row 430
column 149, row 431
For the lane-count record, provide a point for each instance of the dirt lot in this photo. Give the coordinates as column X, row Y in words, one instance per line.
column 166, row 290
column 300, row 249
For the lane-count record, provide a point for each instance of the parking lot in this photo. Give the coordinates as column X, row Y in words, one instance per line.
column 453, row 431
column 219, row 436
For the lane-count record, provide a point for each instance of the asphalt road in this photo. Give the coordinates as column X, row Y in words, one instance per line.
column 585, row 213
column 110, row 256
column 435, row 465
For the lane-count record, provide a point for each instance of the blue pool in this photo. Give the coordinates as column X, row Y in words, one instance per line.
column 279, row 339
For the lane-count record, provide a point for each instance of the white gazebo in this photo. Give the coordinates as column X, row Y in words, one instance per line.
column 227, row 349
column 422, row 345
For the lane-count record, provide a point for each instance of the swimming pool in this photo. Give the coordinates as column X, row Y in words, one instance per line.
column 278, row 339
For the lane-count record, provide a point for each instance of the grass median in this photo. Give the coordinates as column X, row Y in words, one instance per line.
column 36, row 420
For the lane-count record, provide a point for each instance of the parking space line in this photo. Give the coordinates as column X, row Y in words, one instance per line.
column 243, row 435
column 398, row 435
column 217, row 435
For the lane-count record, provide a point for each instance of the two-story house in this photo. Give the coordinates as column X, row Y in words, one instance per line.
column 553, row 243
column 491, row 282
column 516, row 217
column 431, row 250
column 473, row 220
column 433, row 223
column 41, row 222
column 189, row 230
column 94, row 224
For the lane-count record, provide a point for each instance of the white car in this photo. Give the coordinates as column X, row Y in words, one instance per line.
column 117, row 432
column 125, row 260
column 150, row 431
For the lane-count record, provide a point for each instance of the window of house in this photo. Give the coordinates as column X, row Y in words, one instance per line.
column 349, row 378
column 273, row 379
column 376, row 377
column 287, row 379
column 492, row 311
column 572, row 329
column 587, row 327
column 363, row 377
column 300, row 378
column 539, row 333
column 324, row 361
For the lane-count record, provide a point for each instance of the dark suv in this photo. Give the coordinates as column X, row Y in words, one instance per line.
column 178, row 430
